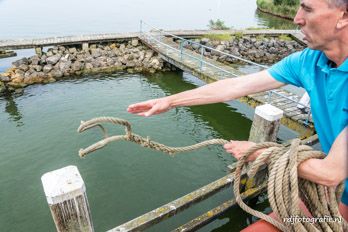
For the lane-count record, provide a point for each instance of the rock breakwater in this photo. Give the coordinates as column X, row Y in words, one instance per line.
column 259, row 49
column 65, row 61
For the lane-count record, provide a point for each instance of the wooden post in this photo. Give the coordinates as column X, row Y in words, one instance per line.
column 85, row 46
column 38, row 51
column 66, row 196
column 265, row 128
column 265, row 124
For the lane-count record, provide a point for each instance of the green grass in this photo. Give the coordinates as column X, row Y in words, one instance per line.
column 238, row 35
column 285, row 38
column 219, row 37
column 283, row 10
column 255, row 28
column 260, row 37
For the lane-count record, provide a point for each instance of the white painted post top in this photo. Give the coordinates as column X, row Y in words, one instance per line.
column 269, row 112
column 62, row 184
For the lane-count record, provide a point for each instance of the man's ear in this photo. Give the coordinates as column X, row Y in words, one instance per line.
column 343, row 21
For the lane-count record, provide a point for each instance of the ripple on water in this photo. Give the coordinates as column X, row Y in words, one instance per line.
column 47, row 140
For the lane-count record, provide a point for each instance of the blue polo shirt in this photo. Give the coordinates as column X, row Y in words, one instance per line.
column 328, row 91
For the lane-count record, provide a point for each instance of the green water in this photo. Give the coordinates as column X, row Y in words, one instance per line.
column 38, row 134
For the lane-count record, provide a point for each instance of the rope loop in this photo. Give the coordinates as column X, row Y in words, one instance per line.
column 284, row 187
column 130, row 136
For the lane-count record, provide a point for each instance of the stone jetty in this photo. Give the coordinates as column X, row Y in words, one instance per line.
column 64, row 61
column 256, row 48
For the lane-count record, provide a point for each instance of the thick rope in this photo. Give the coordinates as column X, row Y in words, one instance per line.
column 130, row 136
column 284, row 187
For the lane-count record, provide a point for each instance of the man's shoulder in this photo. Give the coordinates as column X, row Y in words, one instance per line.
column 306, row 57
column 307, row 52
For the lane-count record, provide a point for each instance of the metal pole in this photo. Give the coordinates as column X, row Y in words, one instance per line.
column 141, row 26
column 201, row 65
column 181, row 47
column 308, row 115
column 269, row 97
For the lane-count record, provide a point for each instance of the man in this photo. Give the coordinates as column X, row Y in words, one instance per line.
column 322, row 69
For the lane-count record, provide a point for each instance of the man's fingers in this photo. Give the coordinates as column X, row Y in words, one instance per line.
column 137, row 110
column 151, row 111
column 227, row 146
column 139, row 107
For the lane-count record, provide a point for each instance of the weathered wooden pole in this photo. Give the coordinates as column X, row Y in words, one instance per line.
column 38, row 50
column 66, row 196
column 265, row 128
column 266, row 124
column 85, row 46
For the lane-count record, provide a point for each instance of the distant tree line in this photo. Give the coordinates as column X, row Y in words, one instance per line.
column 282, row 8
column 285, row 2
column 217, row 25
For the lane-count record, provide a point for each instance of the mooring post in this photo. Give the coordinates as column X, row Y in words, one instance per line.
column 66, row 196
column 85, row 46
column 265, row 124
column 38, row 50
column 265, row 128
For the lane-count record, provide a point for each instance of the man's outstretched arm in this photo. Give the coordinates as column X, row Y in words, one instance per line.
column 219, row 91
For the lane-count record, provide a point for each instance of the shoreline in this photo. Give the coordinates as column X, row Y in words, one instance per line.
column 6, row 54
column 281, row 10
column 275, row 14
column 61, row 62
column 131, row 55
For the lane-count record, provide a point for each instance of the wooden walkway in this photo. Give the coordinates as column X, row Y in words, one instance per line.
column 97, row 38
column 190, row 61
column 66, row 40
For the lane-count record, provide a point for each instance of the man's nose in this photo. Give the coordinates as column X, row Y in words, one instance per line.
column 299, row 20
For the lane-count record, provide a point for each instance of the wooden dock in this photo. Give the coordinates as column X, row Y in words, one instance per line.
column 189, row 61
column 210, row 70
column 99, row 38
column 65, row 40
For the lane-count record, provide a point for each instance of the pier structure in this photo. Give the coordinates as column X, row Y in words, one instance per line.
column 171, row 45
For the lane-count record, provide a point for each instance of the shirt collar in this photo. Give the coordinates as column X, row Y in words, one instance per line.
column 323, row 64
column 344, row 66
column 322, row 61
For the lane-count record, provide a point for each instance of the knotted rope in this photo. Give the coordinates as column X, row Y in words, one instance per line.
column 130, row 136
column 284, row 186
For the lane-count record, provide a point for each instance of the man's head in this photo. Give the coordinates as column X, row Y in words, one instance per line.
column 323, row 22
column 338, row 3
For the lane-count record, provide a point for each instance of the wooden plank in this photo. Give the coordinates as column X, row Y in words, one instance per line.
column 212, row 214
column 172, row 208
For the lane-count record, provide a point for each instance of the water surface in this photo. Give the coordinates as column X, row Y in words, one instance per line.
column 38, row 129
column 45, row 18
column 38, row 134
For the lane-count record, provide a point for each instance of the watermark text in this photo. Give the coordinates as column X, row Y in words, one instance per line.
column 312, row 220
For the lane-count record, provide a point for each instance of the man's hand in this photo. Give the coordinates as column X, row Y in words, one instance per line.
column 237, row 148
column 151, row 107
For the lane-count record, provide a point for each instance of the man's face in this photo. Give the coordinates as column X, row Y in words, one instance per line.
column 318, row 20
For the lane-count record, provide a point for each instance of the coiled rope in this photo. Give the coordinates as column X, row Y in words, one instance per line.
column 284, row 186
